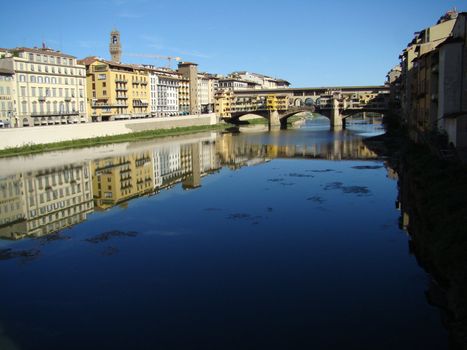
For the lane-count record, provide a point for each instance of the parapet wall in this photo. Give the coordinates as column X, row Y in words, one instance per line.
column 16, row 137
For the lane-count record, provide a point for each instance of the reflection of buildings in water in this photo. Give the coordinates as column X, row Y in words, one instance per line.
column 44, row 201
column 120, row 178
column 236, row 152
column 185, row 163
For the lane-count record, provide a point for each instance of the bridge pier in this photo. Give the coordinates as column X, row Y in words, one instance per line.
column 274, row 119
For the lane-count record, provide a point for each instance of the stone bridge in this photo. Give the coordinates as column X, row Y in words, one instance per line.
column 335, row 103
column 274, row 117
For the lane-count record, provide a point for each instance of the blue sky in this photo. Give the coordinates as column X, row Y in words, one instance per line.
column 308, row 42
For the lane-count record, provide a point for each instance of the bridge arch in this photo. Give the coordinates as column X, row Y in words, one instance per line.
column 309, row 101
column 236, row 117
column 298, row 102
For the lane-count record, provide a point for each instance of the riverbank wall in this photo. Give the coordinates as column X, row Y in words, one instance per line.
column 18, row 137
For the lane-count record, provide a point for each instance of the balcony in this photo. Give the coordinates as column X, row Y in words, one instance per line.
column 101, row 105
column 122, row 97
column 140, row 103
column 53, row 114
column 121, row 89
column 120, row 80
column 41, row 98
column 67, row 98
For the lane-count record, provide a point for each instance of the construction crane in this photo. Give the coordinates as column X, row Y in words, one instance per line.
column 160, row 57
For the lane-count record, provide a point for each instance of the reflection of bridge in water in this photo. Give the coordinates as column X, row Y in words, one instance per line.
column 236, row 152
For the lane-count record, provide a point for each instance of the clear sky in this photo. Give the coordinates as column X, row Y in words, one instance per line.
column 308, row 42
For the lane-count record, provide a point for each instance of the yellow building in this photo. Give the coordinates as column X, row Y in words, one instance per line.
column 224, row 100
column 120, row 178
column 277, row 102
column 116, row 91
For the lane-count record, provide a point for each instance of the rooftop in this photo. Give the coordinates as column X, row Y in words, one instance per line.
column 42, row 51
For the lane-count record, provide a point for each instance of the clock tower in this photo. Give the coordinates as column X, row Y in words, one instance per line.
column 115, row 47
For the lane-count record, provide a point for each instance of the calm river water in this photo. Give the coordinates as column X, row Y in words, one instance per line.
column 254, row 240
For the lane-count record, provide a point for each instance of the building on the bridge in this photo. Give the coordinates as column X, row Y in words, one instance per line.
column 49, row 87
column 431, row 80
column 223, row 102
column 277, row 102
column 116, row 91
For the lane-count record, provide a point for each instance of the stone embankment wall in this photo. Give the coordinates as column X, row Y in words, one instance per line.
column 17, row 137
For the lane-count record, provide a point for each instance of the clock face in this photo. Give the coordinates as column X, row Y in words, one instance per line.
column 114, row 39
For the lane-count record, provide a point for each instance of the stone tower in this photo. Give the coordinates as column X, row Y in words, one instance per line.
column 189, row 71
column 115, row 46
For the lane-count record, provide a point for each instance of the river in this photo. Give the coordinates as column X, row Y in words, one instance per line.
column 248, row 240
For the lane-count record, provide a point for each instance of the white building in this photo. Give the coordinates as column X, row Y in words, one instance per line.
column 7, row 98
column 167, row 93
column 203, row 93
column 262, row 81
column 50, row 86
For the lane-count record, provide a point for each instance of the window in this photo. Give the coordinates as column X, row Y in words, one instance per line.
column 22, row 78
column 32, row 78
column 33, row 91
column 23, row 90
